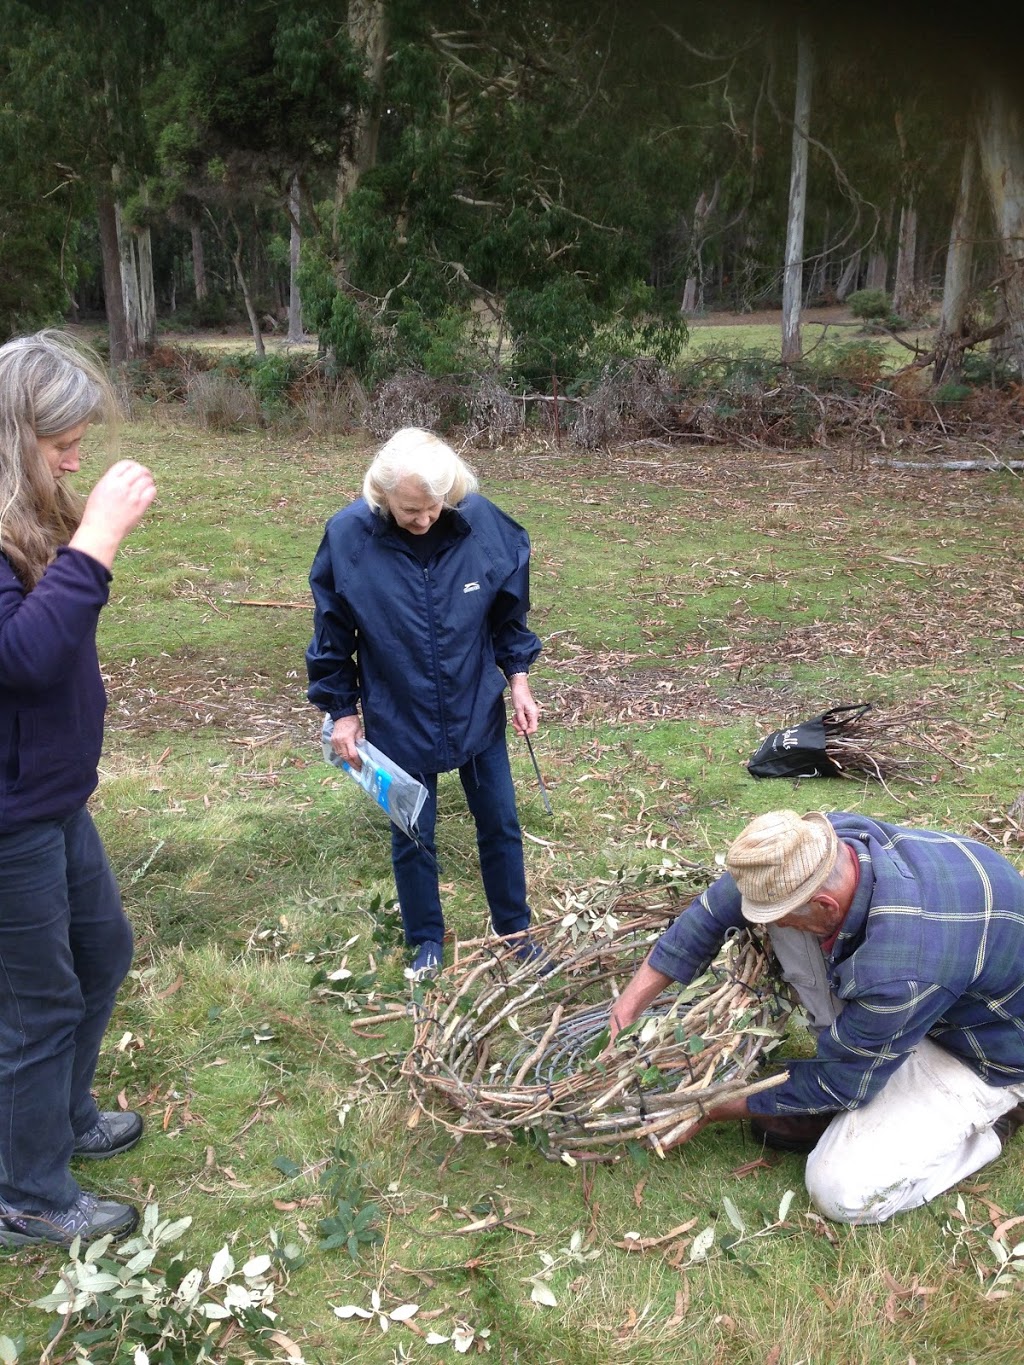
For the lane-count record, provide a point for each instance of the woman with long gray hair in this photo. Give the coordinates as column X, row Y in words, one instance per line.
column 65, row 943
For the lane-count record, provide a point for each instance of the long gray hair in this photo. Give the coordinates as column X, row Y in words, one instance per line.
column 48, row 384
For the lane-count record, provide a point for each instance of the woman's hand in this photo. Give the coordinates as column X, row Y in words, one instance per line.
column 525, row 711
column 347, row 730
column 115, row 506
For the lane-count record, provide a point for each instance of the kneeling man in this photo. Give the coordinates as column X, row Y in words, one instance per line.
column 906, row 949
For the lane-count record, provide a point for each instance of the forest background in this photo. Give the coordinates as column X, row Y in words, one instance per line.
column 295, row 227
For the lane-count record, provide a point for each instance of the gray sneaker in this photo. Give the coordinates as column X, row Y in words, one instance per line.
column 110, row 1135
column 88, row 1218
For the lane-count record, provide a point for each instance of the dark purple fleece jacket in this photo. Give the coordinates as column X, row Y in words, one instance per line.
column 52, row 699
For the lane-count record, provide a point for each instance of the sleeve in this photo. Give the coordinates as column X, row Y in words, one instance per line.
column 41, row 631
column 331, row 657
column 867, row 1043
column 515, row 645
column 689, row 944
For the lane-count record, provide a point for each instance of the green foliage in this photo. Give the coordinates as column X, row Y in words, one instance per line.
column 354, row 1224
column 551, row 328
column 848, row 367
column 952, row 393
column 869, row 304
column 108, row 1296
column 984, row 368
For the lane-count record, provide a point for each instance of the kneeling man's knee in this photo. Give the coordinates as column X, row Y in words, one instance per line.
column 843, row 1196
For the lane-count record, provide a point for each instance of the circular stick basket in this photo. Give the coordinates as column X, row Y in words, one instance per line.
column 505, row 1048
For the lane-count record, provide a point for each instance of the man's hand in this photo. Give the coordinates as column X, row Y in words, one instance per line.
column 347, row 730
column 645, row 987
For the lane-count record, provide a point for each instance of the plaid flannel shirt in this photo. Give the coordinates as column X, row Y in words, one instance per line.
column 933, row 945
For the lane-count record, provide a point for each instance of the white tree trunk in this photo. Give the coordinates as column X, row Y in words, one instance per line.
column 906, row 260
column 1001, row 144
column 198, row 263
column 848, row 278
column 693, row 290
column 130, row 289
column 792, row 280
column 113, row 295
column 147, row 292
column 295, row 332
column 956, row 289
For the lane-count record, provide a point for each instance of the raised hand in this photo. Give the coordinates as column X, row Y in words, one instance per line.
column 115, row 506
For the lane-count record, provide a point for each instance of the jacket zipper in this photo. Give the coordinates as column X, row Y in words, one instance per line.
column 431, row 622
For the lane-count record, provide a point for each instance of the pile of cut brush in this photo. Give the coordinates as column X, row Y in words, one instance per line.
column 886, row 745
column 504, row 1048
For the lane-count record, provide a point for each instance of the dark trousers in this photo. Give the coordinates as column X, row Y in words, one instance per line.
column 490, row 795
column 65, row 948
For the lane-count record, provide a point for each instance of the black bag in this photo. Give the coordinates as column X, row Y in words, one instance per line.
column 799, row 750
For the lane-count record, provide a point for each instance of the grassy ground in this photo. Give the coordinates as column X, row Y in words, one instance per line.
column 823, row 332
column 689, row 602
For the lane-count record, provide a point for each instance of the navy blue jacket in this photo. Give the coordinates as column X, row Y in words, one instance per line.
column 422, row 649
column 52, row 699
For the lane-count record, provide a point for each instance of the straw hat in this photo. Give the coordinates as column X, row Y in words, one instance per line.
column 779, row 861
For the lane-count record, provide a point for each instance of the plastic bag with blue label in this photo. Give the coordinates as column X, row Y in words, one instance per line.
column 399, row 795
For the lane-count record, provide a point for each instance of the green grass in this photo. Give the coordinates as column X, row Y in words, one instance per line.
column 765, row 339
column 736, row 594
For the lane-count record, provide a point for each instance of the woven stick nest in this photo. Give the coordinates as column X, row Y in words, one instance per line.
column 504, row 1048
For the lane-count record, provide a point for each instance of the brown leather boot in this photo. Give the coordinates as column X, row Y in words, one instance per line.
column 790, row 1132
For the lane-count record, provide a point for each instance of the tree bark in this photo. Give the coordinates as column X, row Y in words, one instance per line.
column 368, row 33
column 198, row 263
column 956, row 289
column 113, row 296
column 295, row 332
column 848, row 279
column 1001, row 144
column 877, row 272
column 134, row 287
column 254, row 322
column 906, row 260
column 693, row 290
column 792, row 280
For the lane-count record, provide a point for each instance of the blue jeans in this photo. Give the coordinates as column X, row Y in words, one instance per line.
column 491, row 797
column 65, row 948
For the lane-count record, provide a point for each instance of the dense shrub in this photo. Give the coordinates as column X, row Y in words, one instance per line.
column 869, row 304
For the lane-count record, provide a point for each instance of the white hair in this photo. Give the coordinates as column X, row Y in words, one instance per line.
column 413, row 453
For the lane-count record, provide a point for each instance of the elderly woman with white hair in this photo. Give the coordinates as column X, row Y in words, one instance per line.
column 65, row 944
column 421, row 589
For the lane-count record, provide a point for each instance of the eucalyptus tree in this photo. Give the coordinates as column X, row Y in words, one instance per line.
column 75, row 73
column 252, row 104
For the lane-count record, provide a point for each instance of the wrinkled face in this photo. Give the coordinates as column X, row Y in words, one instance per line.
column 413, row 507
column 62, row 452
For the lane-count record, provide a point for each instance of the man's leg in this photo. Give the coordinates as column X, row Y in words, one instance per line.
column 491, row 797
column 414, row 863
column 929, row 1127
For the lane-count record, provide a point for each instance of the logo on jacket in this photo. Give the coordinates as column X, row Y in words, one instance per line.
column 471, row 587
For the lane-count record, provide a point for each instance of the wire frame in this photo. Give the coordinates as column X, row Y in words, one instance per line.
column 506, row 1048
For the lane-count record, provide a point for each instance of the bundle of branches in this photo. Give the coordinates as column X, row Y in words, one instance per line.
column 879, row 744
column 522, row 1048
